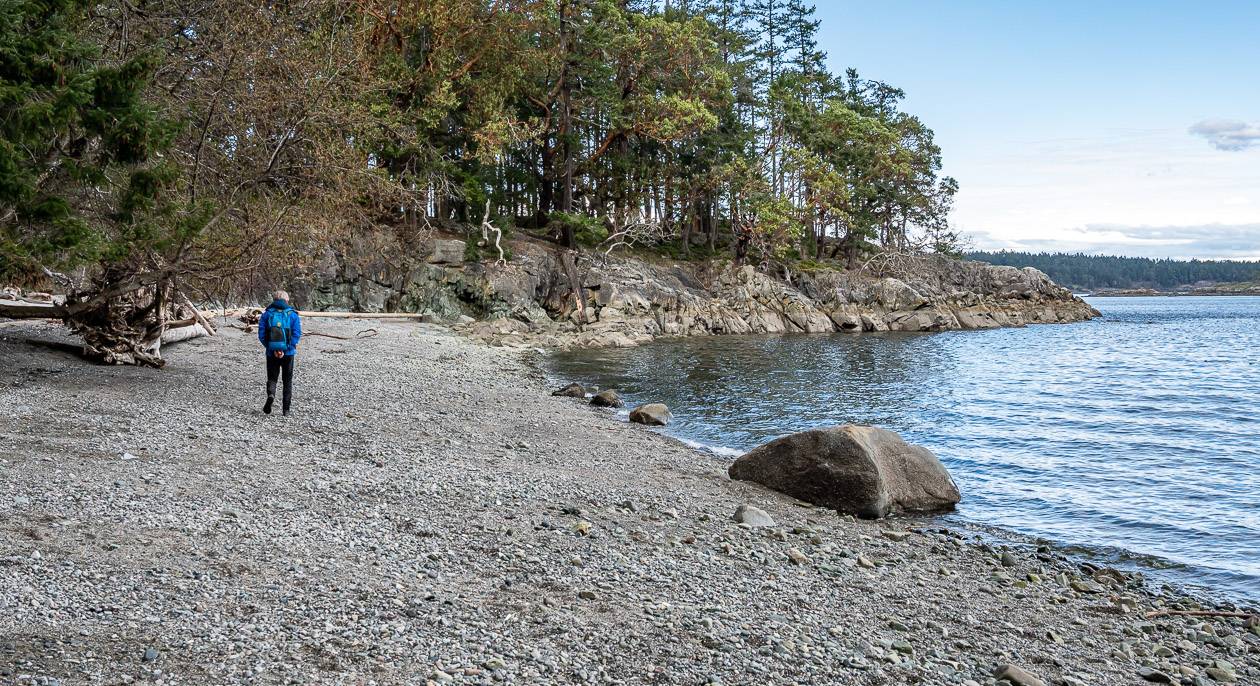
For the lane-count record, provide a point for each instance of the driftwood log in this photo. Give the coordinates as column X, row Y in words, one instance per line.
column 169, row 332
column 22, row 309
column 175, row 332
column 251, row 315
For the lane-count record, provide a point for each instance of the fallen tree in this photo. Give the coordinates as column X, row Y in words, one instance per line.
column 16, row 309
column 118, row 328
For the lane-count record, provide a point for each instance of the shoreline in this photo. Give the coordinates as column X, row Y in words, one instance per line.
column 431, row 514
column 1130, row 561
column 1170, row 294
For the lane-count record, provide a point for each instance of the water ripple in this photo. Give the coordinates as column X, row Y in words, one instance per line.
column 1136, row 435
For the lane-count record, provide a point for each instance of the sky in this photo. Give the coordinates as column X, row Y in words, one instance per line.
column 1112, row 126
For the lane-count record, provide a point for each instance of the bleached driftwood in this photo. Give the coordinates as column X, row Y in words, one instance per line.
column 176, row 332
column 486, row 228
column 361, row 315
column 184, row 333
column 197, row 315
column 21, row 309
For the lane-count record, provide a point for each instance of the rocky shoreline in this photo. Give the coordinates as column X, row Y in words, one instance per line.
column 549, row 298
column 432, row 514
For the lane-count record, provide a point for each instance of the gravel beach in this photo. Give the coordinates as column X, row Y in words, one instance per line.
column 430, row 514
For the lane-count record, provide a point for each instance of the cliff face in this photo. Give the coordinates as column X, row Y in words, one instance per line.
column 626, row 301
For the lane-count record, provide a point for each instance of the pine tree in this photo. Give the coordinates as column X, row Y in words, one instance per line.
column 80, row 166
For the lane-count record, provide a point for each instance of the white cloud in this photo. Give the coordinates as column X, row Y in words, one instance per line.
column 1208, row 241
column 1228, row 134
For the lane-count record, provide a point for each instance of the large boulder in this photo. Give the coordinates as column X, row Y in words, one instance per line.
column 859, row 470
column 608, row 398
column 573, row 390
column 651, row 414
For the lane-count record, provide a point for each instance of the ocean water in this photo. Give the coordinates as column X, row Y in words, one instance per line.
column 1134, row 437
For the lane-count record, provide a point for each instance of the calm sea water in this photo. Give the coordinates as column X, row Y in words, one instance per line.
column 1134, row 437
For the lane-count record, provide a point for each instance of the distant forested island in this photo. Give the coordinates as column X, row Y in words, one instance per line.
column 1080, row 271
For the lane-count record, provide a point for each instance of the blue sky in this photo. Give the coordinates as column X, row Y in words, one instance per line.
column 1117, row 127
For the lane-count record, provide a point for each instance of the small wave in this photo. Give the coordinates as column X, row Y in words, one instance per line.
column 719, row 450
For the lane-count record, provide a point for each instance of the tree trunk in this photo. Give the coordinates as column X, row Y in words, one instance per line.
column 566, row 124
column 575, row 286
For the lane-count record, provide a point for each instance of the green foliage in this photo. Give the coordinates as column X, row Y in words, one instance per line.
column 80, row 176
column 716, row 124
column 809, row 265
column 675, row 250
column 587, row 231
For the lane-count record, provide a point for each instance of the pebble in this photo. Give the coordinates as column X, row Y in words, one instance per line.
column 465, row 523
column 752, row 516
column 1016, row 676
column 1226, row 676
column 1154, row 676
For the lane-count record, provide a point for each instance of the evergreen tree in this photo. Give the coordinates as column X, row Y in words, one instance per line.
column 81, row 173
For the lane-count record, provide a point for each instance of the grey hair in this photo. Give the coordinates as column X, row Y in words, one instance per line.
column 280, row 295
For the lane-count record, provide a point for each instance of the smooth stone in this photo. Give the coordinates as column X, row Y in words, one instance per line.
column 1016, row 676
column 797, row 557
column 1222, row 675
column 1154, row 676
column 651, row 414
column 573, row 390
column 608, row 398
column 752, row 516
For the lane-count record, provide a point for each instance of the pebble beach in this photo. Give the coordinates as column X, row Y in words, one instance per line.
column 430, row 514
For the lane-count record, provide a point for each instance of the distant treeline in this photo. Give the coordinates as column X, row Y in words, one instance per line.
column 1081, row 271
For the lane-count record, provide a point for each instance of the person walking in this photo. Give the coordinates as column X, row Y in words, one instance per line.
column 279, row 330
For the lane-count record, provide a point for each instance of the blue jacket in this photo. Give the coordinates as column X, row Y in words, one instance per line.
column 280, row 308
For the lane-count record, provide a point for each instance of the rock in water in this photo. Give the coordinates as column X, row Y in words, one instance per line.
column 752, row 516
column 860, row 470
column 652, row 414
column 573, row 390
column 607, row 399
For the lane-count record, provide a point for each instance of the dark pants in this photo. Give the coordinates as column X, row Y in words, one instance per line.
column 275, row 365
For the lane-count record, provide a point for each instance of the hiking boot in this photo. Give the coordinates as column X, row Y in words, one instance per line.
column 267, row 405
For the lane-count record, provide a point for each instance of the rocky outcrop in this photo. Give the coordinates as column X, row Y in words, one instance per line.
column 859, row 470
column 621, row 302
